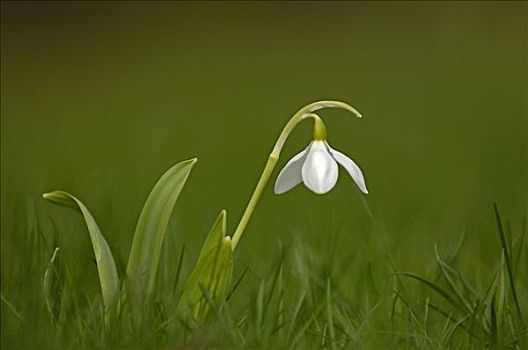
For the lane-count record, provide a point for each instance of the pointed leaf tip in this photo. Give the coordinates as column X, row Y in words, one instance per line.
column 61, row 198
column 216, row 234
column 53, row 195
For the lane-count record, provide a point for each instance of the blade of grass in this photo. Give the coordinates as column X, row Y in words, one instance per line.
column 220, row 317
column 178, row 270
column 259, row 307
column 48, row 284
column 412, row 313
column 493, row 324
column 458, row 323
column 431, row 285
column 329, row 313
column 499, row 297
column 11, row 308
column 507, row 255
column 280, row 305
column 237, row 283
column 296, row 311
column 307, row 324
column 458, row 247
column 446, row 270
column 520, row 244
column 273, row 285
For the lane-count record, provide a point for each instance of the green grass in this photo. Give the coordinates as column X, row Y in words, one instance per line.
column 304, row 297
column 99, row 100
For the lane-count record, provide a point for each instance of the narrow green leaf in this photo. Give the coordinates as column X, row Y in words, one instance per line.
column 457, row 323
column 237, row 283
column 432, row 286
column 151, row 228
column 296, row 312
column 306, row 325
column 213, row 271
column 106, row 266
column 49, row 286
column 329, row 313
column 455, row 288
column 273, row 286
column 507, row 255
column 259, row 307
column 216, row 234
column 493, row 324
column 178, row 270
column 11, row 308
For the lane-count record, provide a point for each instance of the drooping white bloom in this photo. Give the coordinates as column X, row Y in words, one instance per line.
column 316, row 166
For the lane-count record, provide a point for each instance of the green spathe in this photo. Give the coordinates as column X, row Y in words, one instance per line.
column 212, row 275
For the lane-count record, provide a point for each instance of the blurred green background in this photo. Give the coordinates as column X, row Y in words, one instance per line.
column 99, row 99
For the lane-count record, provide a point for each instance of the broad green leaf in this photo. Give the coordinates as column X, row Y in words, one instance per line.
column 213, row 271
column 106, row 266
column 151, row 228
column 216, row 234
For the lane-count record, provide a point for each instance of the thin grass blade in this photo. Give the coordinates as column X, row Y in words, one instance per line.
column 431, row 285
column 329, row 313
column 456, row 289
column 493, row 325
column 11, row 308
column 508, row 256
column 49, row 286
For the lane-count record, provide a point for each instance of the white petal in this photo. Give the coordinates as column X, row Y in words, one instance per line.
column 352, row 168
column 319, row 171
column 290, row 175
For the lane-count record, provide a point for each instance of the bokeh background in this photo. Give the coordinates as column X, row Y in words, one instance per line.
column 99, row 99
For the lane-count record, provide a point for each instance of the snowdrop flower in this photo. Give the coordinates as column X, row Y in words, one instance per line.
column 316, row 166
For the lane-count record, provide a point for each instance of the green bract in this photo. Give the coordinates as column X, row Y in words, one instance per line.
column 213, row 271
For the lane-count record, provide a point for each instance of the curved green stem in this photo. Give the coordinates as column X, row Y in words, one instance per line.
column 319, row 133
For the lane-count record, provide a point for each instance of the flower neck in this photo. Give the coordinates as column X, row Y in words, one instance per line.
column 319, row 128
